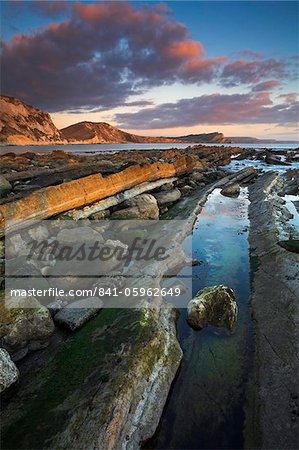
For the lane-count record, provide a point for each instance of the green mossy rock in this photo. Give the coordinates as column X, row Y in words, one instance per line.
column 213, row 306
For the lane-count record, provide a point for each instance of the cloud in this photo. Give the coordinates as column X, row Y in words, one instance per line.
column 289, row 98
column 213, row 109
column 101, row 55
column 246, row 72
column 266, row 86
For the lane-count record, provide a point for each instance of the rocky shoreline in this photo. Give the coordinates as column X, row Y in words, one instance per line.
column 105, row 386
column 275, row 294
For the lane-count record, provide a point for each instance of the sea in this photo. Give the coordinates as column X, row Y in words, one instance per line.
column 92, row 149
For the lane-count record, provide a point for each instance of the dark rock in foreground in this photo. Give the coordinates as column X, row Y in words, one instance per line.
column 25, row 325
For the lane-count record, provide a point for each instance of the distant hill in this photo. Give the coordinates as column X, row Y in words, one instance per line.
column 219, row 138
column 205, row 138
column 22, row 124
column 104, row 133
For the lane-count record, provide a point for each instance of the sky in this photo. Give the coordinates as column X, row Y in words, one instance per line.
column 170, row 68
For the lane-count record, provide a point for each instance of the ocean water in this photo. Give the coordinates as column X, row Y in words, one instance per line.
column 85, row 149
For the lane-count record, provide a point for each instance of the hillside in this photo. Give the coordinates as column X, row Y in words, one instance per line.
column 104, row 133
column 205, row 137
column 22, row 124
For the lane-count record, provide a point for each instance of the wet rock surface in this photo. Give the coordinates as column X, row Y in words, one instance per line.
column 213, row 306
column 5, row 186
column 9, row 373
column 292, row 245
column 232, row 190
column 25, row 325
column 275, row 310
column 77, row 313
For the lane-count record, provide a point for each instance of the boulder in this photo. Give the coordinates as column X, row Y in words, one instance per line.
column 232, row 190
column 164, row 198
column 5, row 186
column 197, row 177
column 186, row 190
column 24, row 325
column 9, row 373
column 213, row 306
column 77, row 313
column 79, row 235
column 167, row 186
column 142, row 206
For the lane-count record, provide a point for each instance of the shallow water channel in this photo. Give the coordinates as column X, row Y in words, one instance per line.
column 206, row 406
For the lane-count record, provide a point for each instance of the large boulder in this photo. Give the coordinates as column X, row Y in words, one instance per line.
column 79, row 312
column 9, row 373
column 142, row 206
column 231, row 190
column 213, row 306
column 24, row 325
column 164, row 198
column 5, row 186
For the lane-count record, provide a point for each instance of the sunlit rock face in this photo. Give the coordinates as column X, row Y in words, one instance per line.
column 56, row 199
column 213, row 306
column 22, row 124
column 104, row 133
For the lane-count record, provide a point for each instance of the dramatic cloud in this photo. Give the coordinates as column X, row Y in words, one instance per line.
column 266, row 86
column 213, row 109
column 100, row 56
column 246, row 72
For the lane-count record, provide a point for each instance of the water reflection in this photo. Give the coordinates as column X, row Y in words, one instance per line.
column 206, row 406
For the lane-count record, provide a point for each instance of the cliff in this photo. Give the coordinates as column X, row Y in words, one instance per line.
column 22, row 124
column 104, row 133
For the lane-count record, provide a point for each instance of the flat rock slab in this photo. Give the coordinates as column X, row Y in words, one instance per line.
column 9, row 373
column 77, row 313
column 292, row 245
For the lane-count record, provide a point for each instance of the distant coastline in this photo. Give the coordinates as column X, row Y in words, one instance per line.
column 24, row 124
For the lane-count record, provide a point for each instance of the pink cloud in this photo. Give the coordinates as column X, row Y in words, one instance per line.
column 266, row 86
column 246, row 72
column 100, row 56
column 213, row 109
